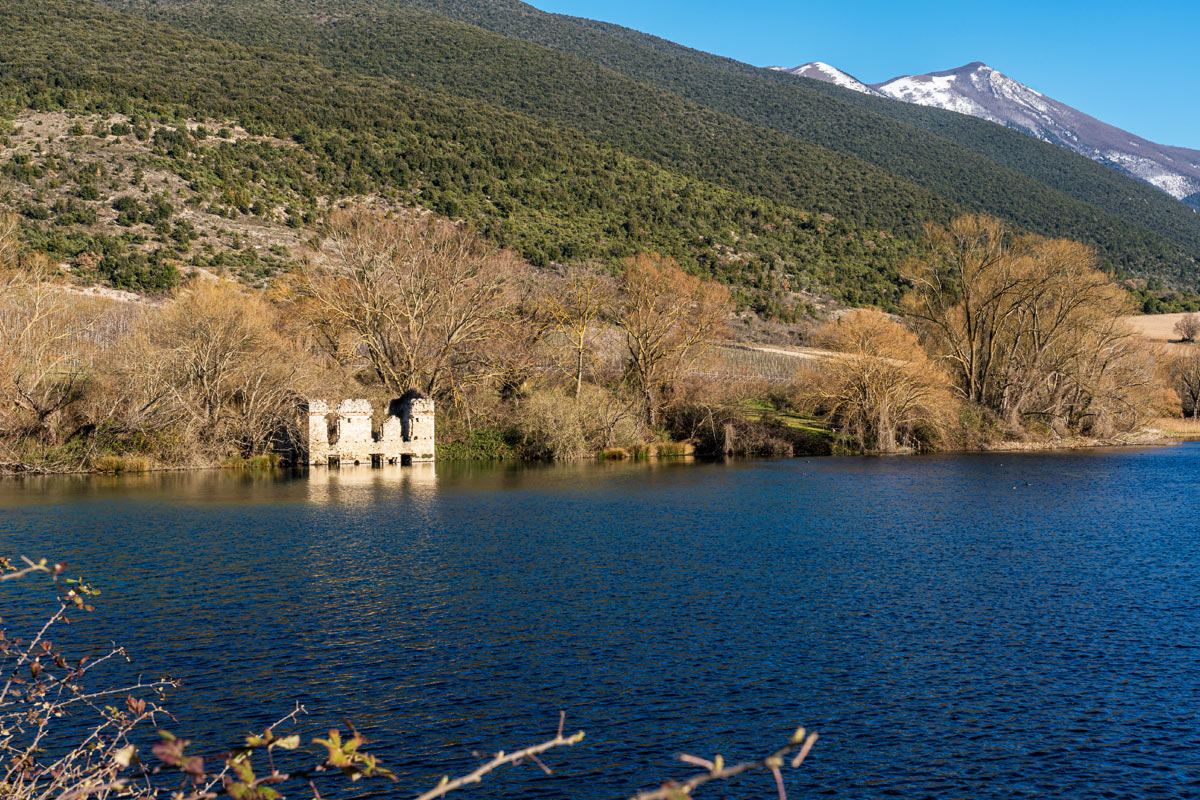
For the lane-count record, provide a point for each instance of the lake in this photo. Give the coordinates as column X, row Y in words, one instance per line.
column 982, row 626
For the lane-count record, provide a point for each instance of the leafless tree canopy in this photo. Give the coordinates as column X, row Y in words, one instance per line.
column 1029, row 328
column 1185, row 377
column 214, row 362
column 419, row 299
column 574, row 307
column 669, row 319
column 1188, row 327
column 45, row 351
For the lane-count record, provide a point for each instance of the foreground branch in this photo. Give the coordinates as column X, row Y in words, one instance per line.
column 10, row 573
column 800, row 744
column 501, row 758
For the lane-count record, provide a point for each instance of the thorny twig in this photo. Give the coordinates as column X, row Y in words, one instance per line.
column 501, row 758
column 715, row 770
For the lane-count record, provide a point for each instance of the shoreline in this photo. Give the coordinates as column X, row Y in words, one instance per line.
column 1152, row 437
column 1148, row 438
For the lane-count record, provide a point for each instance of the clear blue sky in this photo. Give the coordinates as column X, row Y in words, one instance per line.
column 1135, row 65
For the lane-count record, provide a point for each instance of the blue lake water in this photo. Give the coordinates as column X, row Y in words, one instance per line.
column 961, row 626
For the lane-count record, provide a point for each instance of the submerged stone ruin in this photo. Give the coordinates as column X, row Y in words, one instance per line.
column 405, row 437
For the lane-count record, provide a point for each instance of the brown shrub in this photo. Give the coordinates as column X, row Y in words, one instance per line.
column 884, row 393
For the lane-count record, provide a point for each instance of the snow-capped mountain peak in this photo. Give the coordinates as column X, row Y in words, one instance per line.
column 980, row 91
column 820, row 71
column 974, row 89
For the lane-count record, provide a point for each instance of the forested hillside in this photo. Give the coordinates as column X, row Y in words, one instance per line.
column 784, row 101
column 320, row 136
column 684, row 112
column 387, row 39
column 566, row 140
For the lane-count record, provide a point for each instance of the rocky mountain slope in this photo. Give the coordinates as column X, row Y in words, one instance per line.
column 981, row 91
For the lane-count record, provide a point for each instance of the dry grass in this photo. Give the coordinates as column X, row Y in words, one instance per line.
column 640, row 452
column 1160, row 329
column 1176, row 426
column 119, row 464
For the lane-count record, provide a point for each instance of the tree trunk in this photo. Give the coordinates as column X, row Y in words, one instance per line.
column 885, row 433
column 579, row 373
column 651, row 405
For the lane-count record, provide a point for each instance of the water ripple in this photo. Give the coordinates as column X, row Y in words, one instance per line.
column 1002, row 626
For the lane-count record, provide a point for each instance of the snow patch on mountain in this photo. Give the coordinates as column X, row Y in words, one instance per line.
column 820, row 71
column 1151, row 171
column 980, row 91
column 935, row 90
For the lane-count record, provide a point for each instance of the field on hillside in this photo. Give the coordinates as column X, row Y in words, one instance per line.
column 1156, row 327
column 1159, row 328
column 777, row 365
column 1185, row 428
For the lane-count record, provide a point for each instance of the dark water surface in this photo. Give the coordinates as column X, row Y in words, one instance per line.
column 954, row 627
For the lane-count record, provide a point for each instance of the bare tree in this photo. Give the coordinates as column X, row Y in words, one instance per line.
column 10, row 242
column 43, row 350
column 1067, row 308
column 669, row 319
column 965, row 294
column 1027, row 326
column 55, row 355
column 515, row 356
column 1187, row 328
column 417, row 298
column 1185, row 375
column 1111, row 382
column 213, row 361
column 574, row 307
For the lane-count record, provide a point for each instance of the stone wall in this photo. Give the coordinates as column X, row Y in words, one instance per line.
column 355, row 439
column 318, row 433
column 406, row 435
column 417, row 420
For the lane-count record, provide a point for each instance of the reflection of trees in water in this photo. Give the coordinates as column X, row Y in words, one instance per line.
column 246, row 487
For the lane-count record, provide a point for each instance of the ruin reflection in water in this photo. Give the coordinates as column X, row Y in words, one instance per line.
column 365, row 484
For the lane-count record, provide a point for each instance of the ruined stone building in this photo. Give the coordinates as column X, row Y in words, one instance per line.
column 348, row 436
